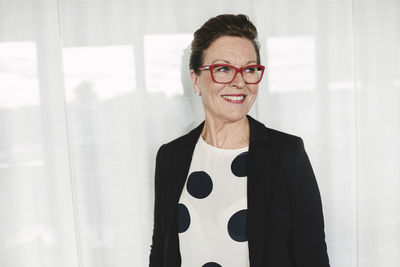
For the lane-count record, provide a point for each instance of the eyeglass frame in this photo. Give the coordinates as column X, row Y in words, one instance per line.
column 210, row 68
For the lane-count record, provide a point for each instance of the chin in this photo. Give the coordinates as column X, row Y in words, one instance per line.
column 235, row 116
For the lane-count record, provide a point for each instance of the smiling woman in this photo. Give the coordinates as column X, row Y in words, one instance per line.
column 233, row 192
column 228, row 100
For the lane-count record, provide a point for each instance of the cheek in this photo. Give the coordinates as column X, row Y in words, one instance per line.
column 253, row 90
column 207, row 86
column 212, row 89
column 253, row 95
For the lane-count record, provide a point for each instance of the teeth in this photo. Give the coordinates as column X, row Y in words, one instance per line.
column 234, row 98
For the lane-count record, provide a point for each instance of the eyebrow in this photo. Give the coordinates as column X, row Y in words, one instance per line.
column 228, row 62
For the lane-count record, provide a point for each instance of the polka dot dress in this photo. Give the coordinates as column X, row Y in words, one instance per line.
column 212, row 209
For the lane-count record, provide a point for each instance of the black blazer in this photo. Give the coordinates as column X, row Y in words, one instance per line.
column 285, row 226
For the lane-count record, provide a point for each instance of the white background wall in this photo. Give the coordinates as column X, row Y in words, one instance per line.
column 90, row 89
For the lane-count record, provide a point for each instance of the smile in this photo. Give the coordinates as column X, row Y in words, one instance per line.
column 237, row 99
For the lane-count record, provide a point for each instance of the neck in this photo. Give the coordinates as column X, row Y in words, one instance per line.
column 227, row 135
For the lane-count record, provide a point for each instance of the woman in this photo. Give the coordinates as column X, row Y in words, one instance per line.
column 233, row 192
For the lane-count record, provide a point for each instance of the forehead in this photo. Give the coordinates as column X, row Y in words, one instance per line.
column 236, row 50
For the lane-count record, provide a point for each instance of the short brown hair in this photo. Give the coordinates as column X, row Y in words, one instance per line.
column 219, row 26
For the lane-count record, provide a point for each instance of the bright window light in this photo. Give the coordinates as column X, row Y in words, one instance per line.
column 107, row 71
column 163, row 62
column 291, row 64
column 19, row 84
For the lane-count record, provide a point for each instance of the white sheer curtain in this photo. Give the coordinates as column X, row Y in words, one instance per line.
column 89, row 89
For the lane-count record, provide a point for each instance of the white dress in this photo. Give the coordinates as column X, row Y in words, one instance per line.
column 212, row 209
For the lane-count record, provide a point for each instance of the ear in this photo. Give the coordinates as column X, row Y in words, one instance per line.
column 195, row 78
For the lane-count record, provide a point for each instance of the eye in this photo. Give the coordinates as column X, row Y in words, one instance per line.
column 250, row 69
column 222, row 69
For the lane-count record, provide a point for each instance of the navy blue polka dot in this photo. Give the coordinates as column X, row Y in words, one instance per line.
column 183, row 218
column 239, row 165
column 211, row 264
column 237, row 226
column 199, row 184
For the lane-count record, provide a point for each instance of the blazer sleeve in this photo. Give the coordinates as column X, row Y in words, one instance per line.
column 157, row 247
column 307, row 223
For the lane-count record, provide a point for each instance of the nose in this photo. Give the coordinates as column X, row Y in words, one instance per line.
column 238, row 81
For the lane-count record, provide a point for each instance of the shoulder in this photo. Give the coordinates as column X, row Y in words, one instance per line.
column 287, row 147
column 287, row 154
column 280, row 140
column 182, row 143
column 282, row 137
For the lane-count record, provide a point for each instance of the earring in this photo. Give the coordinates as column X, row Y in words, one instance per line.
column 197, row 93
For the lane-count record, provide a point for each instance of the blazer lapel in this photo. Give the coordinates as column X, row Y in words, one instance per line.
column 258, row 190
column 176, row 181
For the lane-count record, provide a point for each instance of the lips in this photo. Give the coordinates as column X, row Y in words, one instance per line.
column 234, row 98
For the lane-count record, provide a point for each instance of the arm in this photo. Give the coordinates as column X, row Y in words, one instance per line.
column 157, row 247
column 307, row 222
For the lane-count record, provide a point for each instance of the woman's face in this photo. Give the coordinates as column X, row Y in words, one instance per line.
column 227, row 102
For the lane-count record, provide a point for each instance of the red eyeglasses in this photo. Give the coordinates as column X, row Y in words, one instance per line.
column 224, row 73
